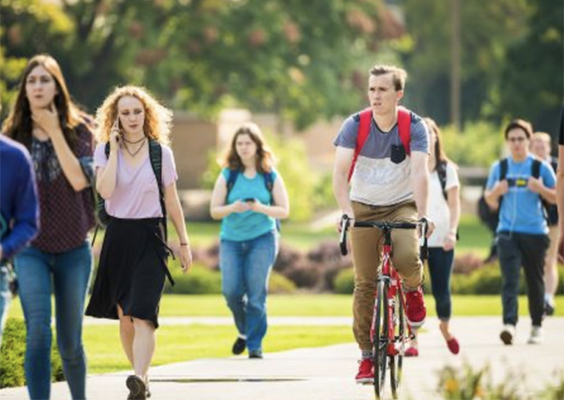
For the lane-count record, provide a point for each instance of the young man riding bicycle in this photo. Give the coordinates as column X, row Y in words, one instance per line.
column 389, row 182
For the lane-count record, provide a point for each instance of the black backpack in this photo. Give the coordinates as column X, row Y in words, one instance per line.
column 156, row 158
column 268, row 182
column 485, row 213
column 442, row 172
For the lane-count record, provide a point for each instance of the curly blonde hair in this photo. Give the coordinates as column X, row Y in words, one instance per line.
column 158, row 119
column 264, row 157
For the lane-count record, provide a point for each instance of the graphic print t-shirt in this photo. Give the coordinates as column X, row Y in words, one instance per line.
column 378, row 178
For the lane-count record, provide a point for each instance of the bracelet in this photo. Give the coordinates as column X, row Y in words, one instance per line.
column 184, row 244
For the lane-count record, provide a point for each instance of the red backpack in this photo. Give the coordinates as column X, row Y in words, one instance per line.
column 404, row 127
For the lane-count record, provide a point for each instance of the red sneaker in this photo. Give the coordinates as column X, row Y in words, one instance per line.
column 365, row 371
column 416, row 311
column 411, row 352
column 453, row 345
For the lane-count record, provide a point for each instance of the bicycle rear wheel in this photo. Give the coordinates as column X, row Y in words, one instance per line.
column 396, row 363
column 380, row 339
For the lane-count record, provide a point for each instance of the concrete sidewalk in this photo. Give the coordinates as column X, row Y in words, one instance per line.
column 327, row 373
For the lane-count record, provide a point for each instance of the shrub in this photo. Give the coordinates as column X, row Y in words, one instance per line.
column 479, row 144
column 279, row 284
column 12, row 355
column 304, row 274
column 344, row 281
column 199, row 280
column 287, row 258
column 467, row 383
column 467, row 263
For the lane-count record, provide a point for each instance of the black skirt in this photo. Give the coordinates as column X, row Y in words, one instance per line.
column 132, row 270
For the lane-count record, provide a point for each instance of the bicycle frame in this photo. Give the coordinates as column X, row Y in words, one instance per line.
column 389, row 306
column 388, row 273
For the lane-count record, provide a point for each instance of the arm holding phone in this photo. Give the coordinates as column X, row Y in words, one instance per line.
column 218, row 208
column 106, row 178
column 280, row 209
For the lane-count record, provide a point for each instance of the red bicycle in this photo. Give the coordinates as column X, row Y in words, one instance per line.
column 390, row 333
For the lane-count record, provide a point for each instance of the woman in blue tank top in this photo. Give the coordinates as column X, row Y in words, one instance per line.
column 248, row 196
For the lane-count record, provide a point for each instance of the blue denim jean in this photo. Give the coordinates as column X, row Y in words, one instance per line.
column 5, row 297
column 68, row 273
column 245, row 268
column 440, row 268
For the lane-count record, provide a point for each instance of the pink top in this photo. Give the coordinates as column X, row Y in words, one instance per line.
column 136, row 194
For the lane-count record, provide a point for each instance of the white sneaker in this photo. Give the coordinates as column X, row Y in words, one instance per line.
column 536, row 335
column 507, row 334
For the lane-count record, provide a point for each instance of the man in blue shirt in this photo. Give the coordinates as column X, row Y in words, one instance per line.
column 516, row 186
column 19, row 210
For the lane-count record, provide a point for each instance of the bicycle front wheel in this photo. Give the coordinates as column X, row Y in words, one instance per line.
column 401, row 337
column 380, row 339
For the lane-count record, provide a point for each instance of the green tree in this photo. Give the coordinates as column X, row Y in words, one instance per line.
column 532, row 80
column 487, row 29
column 301, row 60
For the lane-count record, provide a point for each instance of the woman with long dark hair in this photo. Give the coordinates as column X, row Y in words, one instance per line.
column 48, row 123
column 248, row 196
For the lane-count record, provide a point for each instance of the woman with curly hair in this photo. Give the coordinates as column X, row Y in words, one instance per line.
column 136, row 177
column 248, row 196
column 59, row 260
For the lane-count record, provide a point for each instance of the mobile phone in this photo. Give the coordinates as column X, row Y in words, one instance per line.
column 250, row 199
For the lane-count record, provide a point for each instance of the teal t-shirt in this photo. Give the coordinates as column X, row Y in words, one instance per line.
column 249, row 224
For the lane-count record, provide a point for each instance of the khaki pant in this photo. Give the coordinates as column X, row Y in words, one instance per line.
column 366, row 246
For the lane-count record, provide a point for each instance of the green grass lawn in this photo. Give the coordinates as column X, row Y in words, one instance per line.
column 184, row 343
column 321, row 305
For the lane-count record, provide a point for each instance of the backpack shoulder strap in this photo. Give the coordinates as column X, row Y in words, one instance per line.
column 503, row 166
column 442, row 172
column 404, row 127
column 535, row 168
column 107, row 149
column 156, row 158
column 269, row 183
column 362, row 135
column 231, row 179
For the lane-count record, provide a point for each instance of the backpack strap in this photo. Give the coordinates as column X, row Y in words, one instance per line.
column 442, row 173
column 269, row 183
column 404, row 128
column 535, row 168
column 231, row 179
column 156, row 158
column 503, row 166
column 362, row 135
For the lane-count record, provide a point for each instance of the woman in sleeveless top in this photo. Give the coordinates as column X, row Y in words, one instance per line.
column 248, row 196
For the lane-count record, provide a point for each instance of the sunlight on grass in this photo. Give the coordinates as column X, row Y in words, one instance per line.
column 320, row 305
column 184, row 343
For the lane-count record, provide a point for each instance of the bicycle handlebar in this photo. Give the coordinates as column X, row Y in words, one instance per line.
column 384, row 226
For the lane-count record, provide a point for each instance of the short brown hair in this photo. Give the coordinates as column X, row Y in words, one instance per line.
column 518, row 123
column 399, row 75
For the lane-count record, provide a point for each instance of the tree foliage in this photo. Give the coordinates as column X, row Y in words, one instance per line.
column 486, row 30
column 532, row 84
column 302, row 60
